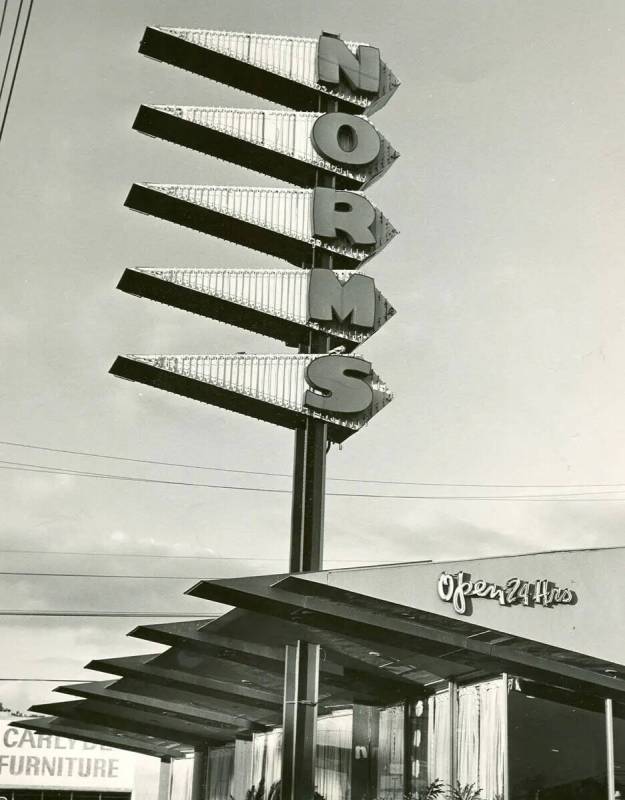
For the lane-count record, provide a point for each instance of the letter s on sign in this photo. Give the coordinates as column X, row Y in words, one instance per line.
column 341, row 380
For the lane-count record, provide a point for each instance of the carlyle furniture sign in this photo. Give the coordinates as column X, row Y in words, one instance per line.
column 459, row 589
column 42, row 761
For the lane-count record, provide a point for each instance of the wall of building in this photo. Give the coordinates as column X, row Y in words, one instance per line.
column 587, row 626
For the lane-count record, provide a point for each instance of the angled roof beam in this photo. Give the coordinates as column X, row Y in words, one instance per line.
column 197, row 635
column 148, row 697
column 134, row 722
column 349, row 651
column 181, row 707
column 109, row 737
column 140, row 668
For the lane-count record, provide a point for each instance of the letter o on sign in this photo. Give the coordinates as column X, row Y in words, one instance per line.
column 445, row 587
column 346, row 139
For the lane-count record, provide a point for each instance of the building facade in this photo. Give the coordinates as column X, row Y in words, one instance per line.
column 487, row 679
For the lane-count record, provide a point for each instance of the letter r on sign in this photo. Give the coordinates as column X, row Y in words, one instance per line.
column 348, row 212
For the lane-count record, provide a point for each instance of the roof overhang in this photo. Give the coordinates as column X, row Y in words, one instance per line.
column 102, row 735
column 382, row 623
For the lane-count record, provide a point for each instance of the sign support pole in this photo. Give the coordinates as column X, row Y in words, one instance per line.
column 349, row 79
column 200, row 772
column 306, row 555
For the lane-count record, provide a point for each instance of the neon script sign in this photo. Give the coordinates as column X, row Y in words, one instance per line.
column 459, row 590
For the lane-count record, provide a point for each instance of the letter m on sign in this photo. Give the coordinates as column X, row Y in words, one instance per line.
column 329, row 299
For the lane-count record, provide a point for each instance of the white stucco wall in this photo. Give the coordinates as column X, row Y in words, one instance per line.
column 595, row 625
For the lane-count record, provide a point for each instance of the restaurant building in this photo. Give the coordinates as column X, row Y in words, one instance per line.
column 471, row 680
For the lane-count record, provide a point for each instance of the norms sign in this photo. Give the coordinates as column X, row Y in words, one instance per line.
column 42, row 761
column 323, row 227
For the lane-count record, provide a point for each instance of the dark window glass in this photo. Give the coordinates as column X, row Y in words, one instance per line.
column 556, row 750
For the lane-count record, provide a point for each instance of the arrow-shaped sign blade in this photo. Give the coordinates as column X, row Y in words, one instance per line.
column 272, row 302
column 278, row 222
column 272, row 387
column 276, row 143
column 283, row 69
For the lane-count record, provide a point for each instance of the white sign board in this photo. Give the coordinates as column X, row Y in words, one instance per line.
column 42, row 761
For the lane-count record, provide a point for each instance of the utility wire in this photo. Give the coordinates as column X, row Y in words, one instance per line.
column 91, row 454
column 108, row 614
column 11, row 46
column 4, row 12
column 25, row 467
column 577, row 496
column 17, row 62
column 113, row 575
column 150, row 461
column 193, row 557
column 41, row 680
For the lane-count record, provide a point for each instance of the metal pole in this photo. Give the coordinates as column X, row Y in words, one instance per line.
column 453, row 732
column 408, row 753
column 307, row 515
column 288, row 720
column 609, row 735
column 311, row 444
column 506, row 737
column 200, row 773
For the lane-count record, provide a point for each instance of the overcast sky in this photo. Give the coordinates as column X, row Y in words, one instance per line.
column 506, row 355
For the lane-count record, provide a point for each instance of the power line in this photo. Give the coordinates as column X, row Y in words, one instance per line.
column 4, row 11
column 17, row 62
column 193, row 557
column 152, row 462
column 115, row 575
column 11, row 46
column 42, row 680
column 572, row 497
column 106, row 614
column 91, row 454
column 25, row 467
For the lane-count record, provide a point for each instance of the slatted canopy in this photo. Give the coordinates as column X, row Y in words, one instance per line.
column 271, row 302
column 278, row 68
column 269, row 387
column 275, row 143
column 278, row 222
